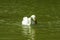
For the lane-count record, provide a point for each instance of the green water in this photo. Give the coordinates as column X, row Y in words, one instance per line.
column 48, row 17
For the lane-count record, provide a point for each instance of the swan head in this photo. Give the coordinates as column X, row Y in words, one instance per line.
column 34, row 20
column 33, row 17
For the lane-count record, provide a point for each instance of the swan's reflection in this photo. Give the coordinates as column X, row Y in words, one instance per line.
column 28, row 32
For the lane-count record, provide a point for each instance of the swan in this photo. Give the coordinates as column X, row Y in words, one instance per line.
column 29, row 21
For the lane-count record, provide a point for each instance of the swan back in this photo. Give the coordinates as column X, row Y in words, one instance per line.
column 26, row 21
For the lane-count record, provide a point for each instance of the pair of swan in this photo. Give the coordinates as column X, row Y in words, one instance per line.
column 29, row 20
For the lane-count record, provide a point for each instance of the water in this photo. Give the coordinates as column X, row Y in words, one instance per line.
column 48, row 19
column 41, row 31
column 28, row 32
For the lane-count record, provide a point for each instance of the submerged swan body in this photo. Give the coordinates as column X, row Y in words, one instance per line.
column 29, row 21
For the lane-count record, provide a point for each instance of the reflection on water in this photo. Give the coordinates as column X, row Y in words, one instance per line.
column 28, row 32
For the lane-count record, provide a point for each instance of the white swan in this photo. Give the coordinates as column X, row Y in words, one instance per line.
column 29, row 21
